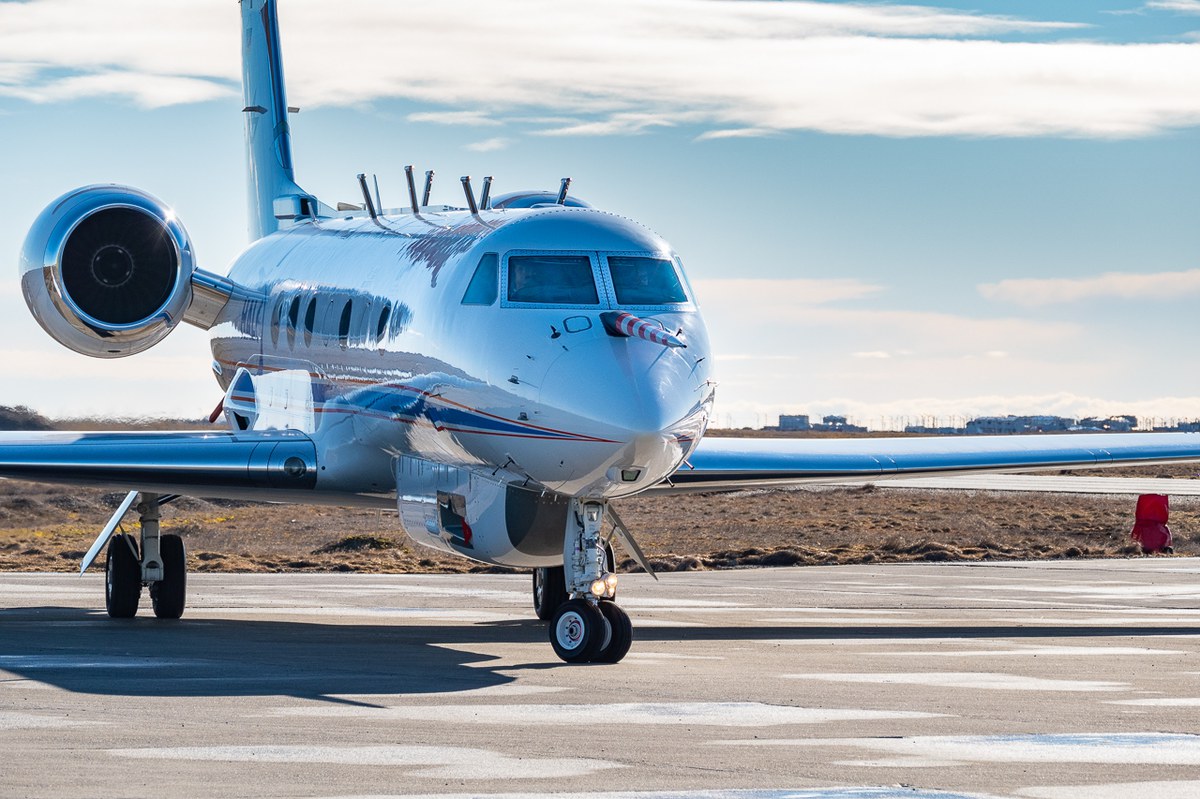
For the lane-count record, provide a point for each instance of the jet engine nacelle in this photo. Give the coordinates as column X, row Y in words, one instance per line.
column 106, row 270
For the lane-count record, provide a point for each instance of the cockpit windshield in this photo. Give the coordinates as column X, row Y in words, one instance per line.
column 556, row 279
column 640, row 280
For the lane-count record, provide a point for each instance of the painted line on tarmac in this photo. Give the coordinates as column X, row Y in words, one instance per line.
column 1135, row 749
column 974, row 680
column 716, row 714
column 437, row 762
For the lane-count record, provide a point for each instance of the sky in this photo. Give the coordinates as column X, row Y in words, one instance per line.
column 899, row 212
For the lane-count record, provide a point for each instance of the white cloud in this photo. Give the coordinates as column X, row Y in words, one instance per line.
column 466, row 118
column 148, row 91
column 625, row 65
column 1126, row 285
column 489, row 145
column 735, row 133
column 872, row 354
column 1178, row 6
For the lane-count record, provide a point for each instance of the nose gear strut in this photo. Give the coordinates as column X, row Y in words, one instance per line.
column 589, row 627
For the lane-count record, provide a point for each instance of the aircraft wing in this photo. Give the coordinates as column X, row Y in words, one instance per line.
column 735, row 463
column 276, row 465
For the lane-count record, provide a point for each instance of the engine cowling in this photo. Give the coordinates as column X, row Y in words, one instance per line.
column 106, row 270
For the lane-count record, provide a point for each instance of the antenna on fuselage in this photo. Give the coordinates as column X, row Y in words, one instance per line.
column 562, row 191
column 486, row 198
column 412, row 188
column 428, row 187
column 366, row 193
column 378, row 202
column 466, row 181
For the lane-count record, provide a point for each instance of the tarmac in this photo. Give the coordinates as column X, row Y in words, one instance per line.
column 1052, row 680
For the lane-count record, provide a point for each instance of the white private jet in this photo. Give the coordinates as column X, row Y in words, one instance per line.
column 498, row 373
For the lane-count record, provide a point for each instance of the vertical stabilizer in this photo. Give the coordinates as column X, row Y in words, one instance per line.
column 273, row 192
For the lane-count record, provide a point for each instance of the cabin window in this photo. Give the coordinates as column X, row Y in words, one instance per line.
column 310, row 319
column 381, row 328
column 293, row 320
column 278, row 319
column 552, row 279
column 645, row 281
column 344, row 323
column 484, row 285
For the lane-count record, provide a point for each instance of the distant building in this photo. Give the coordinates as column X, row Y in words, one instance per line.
column 1012, row 425
column 1113, row 424
column 923, row 430
column 837, row 424
column 794, row 422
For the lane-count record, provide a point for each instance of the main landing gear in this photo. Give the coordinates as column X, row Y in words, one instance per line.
column 159, row 562
column 586, row 625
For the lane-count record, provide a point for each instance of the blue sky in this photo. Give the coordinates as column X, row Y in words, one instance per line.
column 887, row 210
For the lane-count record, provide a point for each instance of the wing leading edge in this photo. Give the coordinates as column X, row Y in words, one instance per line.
column 736, row 463
column 274, row 465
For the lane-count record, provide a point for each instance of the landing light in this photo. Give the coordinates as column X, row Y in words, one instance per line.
column 630, row 475
column 611, row 582
column 600, row 588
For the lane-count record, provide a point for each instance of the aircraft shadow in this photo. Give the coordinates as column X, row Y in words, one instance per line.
column 83, row 651
column 86, row 652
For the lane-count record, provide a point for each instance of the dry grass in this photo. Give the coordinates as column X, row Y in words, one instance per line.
column 49, row 528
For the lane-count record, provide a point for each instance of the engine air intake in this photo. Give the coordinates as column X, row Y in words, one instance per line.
column 107, row 270
column 119, row 266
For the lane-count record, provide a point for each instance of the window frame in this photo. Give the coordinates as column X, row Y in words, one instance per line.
column 603, row 290
column 611, row 289
column 497, row 268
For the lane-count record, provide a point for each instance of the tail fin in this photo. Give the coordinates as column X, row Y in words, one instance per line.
column 272, row 188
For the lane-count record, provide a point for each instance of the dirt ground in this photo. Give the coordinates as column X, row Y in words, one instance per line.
column 50, row 527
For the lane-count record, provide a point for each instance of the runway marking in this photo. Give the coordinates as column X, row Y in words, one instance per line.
column 845, row 621
column 441, row 762
column 716, row 714
column 666, row 623
column 1036, row 651
column 30, row 721
column 1149, row 749
column 681, row 603
column 968, row 679
column 657, row 656
column 1167, row 701
column 1123, row 790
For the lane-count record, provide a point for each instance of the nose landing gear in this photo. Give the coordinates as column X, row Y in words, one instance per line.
column 589, row 627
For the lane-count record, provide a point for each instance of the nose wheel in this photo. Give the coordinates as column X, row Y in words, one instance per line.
column 582, row 632
column 587, row 626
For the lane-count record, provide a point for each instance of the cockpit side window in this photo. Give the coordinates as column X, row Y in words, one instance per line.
column 551, row 279
column 485, row 282
column 639, row 280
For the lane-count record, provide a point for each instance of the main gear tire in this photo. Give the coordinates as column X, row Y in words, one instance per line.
column 122, row 577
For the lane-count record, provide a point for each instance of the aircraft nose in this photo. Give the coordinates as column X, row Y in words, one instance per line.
column 624, row 389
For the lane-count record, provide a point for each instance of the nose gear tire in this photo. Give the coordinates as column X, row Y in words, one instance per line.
column 620, row 637
column 577, row 631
